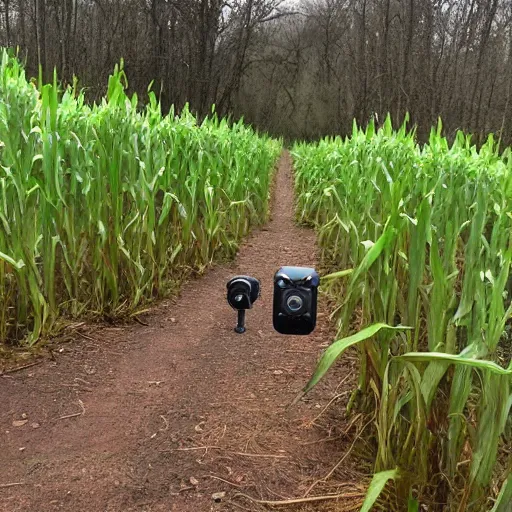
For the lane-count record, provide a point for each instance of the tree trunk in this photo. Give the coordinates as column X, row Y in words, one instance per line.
column 21, row 4
column 362, row 107
column 7, row 22
column 481, row 53
column 407, row 82
column 384, row 65
column 68, row 17
column 40, row 21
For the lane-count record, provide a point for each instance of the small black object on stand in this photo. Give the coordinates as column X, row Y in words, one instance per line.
column 243, row 291
column 240, row 326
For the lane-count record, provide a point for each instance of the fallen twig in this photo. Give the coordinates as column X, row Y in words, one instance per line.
column 243, row 454
column 302, row 395
column 19, row 368
column 194, row 448
column 333, row 399
column 323, row 440
column 237, row 505
column 259, row 455
column 225, row 481
column 82, row 380
column 139, row 321
column 81, row 413
column 86, row 336
column 166, row 423
column 13, row 484
column 338, row 464
column 304, row 500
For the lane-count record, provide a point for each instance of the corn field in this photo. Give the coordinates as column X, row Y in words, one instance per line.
column 104, row 207
column 418, row 238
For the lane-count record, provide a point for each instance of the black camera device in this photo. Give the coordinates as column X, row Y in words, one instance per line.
column 243, row 291
column 295, row 300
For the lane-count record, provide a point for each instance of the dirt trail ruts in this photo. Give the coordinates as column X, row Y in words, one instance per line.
column 160, row 417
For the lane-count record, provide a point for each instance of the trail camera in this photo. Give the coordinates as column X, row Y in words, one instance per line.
column 295, row 300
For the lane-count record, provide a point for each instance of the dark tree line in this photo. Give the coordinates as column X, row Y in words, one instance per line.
column 296, row 68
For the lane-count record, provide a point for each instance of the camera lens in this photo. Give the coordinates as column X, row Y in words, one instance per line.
column 239, row 298
column 294, row 303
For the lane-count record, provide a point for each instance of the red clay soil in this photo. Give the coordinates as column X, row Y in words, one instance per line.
column 161, row 417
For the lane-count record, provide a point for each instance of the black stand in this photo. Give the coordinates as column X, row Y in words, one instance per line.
column 240, row 327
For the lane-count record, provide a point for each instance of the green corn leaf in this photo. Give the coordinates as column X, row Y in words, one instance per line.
column 480, row 364
column 374, row 252
column 18, row 265
column 337, row 275
column 413, row 504
column 338, row 347
column 504, row 500
column 377, row 485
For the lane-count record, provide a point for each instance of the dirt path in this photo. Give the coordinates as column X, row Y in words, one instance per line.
column 160, row 417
